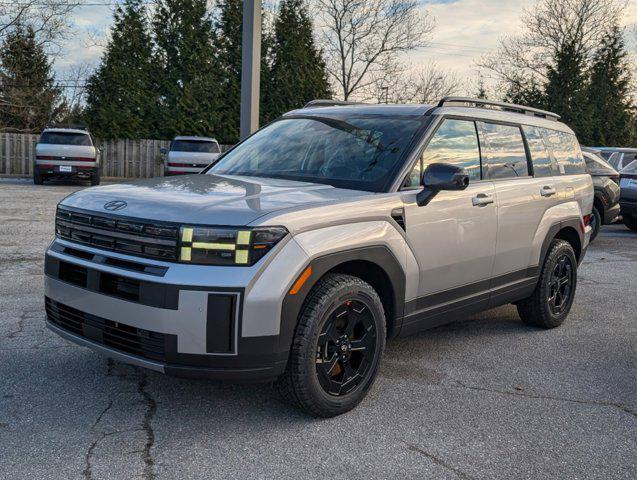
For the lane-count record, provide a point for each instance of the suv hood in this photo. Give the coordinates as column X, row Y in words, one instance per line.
column 207, row 199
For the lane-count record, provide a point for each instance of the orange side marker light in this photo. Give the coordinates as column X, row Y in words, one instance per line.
column 301, row 281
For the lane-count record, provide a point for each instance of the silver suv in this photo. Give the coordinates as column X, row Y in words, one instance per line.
column 66, row 153
column 325, row 233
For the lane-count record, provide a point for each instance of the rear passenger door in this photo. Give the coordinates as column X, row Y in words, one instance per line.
column 521, row 199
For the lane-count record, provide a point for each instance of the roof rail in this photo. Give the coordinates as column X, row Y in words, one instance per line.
column 506, row 107
column 73, row 126
column 329, row 103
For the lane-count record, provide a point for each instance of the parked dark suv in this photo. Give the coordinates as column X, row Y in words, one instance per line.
column 606, row 185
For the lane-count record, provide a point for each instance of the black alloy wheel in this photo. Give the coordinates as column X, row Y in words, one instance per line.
column 561, row 285
column 346, row 348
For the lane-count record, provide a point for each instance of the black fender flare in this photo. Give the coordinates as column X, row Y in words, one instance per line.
column 574, row 223
column 380, row 255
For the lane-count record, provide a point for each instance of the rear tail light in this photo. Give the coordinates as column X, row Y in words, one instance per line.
column 587, row 220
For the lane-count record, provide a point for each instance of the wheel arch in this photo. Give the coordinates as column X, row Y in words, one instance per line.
column 376, row 265
column 567, row 230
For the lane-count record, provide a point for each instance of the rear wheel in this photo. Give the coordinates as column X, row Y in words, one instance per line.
column 630, row 222
column 337, row 347
column 38, row 179
column 595, row 223
column 553, row 296
column 95, row 178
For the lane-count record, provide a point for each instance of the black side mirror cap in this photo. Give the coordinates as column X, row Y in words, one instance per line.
column 441, row 176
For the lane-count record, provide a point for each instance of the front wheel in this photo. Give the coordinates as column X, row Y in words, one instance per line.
column 630, row 222
column 553, row 296
column 337, row 347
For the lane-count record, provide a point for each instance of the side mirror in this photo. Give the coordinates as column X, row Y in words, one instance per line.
column 441, row 176
column 163, row 150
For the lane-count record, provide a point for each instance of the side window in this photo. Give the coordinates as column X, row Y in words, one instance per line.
column 566, row 151
column 505, row 152
column 543, row 165
column 455, row 142
column 413, row 179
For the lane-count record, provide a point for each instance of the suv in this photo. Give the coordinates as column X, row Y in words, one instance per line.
column 619, row 158
column 606, row 186
column 190, row 154
column 66, row 152
column 320, row 236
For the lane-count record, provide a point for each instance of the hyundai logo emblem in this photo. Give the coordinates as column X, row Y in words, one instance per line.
column 115, row 205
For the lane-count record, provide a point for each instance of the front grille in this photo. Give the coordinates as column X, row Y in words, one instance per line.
column 141, row 238
column 136, row 341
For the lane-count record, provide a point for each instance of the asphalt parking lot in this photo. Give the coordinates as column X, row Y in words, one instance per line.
column 484, row 398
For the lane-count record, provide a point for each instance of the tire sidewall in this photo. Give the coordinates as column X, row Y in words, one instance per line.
column 333, row 300
column 598, row 223
column 558, row 249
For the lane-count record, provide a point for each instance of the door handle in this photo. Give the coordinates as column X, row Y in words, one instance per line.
column 481, row 199
column 547, row 191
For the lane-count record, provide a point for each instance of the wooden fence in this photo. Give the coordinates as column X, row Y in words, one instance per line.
column 120, row 158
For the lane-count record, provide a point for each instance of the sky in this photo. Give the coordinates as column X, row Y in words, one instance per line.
column 465, row 30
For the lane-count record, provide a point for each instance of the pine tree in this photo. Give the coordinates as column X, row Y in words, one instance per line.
column 298, row 72
column 120, row 96
column 526, row 91
column 608, row 94
column 566, row 91
column 187, row 69
column 29, row 98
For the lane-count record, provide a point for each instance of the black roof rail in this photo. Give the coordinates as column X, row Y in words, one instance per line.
column 506, row 107
column 329, row 103
column 73, row 126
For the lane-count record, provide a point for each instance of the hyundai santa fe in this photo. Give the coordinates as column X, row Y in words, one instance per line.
column 333, row 229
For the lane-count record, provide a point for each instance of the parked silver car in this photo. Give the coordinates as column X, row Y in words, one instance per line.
column 190, row 155
column 325, row 233
column 66, row 153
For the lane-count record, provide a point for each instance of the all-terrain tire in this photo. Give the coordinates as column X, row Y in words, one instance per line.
column 537, row 310
column 300, row 384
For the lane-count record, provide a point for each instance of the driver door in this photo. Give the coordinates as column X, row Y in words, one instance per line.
column 454, row 236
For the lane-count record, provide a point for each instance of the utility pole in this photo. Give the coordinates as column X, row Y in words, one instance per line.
column 250, row 67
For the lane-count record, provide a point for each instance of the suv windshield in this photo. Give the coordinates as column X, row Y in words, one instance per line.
column 355, row 152
column 198, row 146
column 65, row 138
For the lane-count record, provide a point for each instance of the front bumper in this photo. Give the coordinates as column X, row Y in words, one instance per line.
column 611, row 214
column 167, row 317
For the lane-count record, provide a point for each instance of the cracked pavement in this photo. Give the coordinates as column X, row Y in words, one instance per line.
column 482, row 398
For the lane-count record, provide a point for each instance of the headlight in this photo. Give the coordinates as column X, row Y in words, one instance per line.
column 227, row 246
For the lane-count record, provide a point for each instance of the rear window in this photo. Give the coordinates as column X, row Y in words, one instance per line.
column 65, row 138
column 505, row 153
column 197, row 146
column 566, row 151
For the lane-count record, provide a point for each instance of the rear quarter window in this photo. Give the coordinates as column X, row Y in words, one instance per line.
column 566, row 151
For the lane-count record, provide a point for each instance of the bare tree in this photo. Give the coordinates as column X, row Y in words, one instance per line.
column 549, row 26
column 362, row 38
column 430, row 83
column 50, row 19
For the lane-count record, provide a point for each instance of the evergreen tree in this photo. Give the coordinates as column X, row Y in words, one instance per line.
column 29, row 98
column 526, row 92
column 297, row 74
column 187, row 75
column 482, row 91
column 608, row 94
column 120, row 94
column 228, row 27
column 566, row 91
